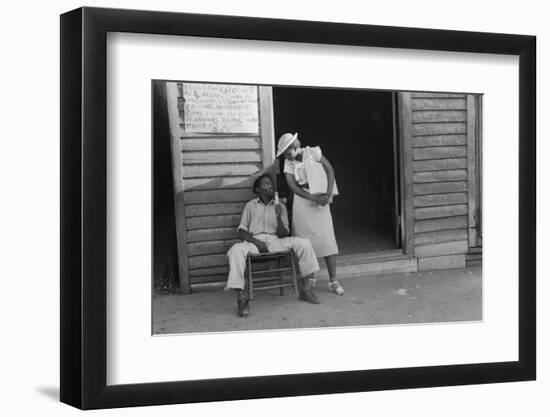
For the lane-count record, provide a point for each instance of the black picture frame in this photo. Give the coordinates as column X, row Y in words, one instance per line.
column 84, row 207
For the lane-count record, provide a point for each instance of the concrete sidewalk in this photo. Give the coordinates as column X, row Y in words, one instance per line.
column 415, row 297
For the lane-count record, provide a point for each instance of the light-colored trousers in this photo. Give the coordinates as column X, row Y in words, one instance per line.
column 303, row 250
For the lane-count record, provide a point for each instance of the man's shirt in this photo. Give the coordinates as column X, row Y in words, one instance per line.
column 261, row 218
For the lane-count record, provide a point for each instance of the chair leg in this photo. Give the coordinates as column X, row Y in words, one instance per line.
column 293, row 267
column 249, row 273
column 281, row 289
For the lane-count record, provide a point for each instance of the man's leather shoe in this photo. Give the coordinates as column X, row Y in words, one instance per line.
column 309, row 296
column 243, row 307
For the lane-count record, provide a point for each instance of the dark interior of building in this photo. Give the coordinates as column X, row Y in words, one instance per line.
column 354, row 129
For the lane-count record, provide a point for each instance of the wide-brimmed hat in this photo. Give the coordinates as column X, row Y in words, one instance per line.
column 284, row 142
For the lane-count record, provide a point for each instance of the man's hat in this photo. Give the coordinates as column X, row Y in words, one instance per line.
column 284, row 142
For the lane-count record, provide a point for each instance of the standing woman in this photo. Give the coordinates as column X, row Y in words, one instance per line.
column 311, row 216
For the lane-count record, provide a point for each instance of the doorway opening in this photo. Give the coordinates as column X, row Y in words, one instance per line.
column 356, row 132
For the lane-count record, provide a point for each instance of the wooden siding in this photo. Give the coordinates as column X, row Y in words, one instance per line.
column 214, row 176
column 440, row 126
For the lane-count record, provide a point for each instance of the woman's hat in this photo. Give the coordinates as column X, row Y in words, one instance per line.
column 284, row 142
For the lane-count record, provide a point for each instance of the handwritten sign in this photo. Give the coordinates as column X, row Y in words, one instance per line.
column 220, row 108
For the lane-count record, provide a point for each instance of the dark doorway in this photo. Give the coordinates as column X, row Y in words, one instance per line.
column 355, row 130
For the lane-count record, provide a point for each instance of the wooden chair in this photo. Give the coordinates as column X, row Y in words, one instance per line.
column 267, row 281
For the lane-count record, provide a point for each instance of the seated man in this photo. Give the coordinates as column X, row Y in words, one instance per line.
column 264, row 228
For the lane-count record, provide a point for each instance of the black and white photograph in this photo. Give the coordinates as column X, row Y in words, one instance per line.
column 298, row 207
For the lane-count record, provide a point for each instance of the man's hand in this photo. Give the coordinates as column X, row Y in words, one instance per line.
column 262, row 247
column 278, row 209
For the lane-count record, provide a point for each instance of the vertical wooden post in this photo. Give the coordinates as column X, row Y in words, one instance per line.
column 471, row 112
column 179, row 207
column 404, row 109
column 267, row 131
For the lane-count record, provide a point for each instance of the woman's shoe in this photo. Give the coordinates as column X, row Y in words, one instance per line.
column 335, row 287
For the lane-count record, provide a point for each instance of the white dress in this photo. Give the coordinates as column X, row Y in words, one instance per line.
column 310, row 220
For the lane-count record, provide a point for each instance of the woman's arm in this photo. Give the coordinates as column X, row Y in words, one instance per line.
column 291, row 181
column 330, row 174
column 318, row 199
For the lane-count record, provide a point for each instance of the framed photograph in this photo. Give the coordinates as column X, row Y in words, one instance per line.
column 257, row 208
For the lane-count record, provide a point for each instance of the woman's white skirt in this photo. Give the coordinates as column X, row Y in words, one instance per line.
column 314, row 222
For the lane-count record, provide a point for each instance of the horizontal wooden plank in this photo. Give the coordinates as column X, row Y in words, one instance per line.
column 218, row 196
column 439, row 164
column 219, row 144
column 438, row 116
column 208, row 222
column 222, row 233
column 444, row 223
column 212, row 271
column 438, row 249
column 439, row 140
column 440, row 236
column 204, row 261
column 438, row 104
column 440, row 199
column 440, row 187
column 373, row 268
column 442, row 262
column 208, row 282
column 439, row 152
column 437, row 95
column 440, row 211
column 211, row 183
column 205, row 248
column 423, row 129
column 215, row 157
column 213, row 209
column 440, row 176
column 220, row 170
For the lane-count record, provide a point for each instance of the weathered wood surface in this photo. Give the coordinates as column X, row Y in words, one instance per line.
column 440, row 236
column 424, row 129
column 216, row 143
column 425, row 94
column 440, row 176
column 204, row 261
column 438, row 249
column 220, row 157
column 208, row 222
column 439, row 140
column 439, row 152
column 221, row 233
column 441, row 211
column 213, row 209
column 213, row 183
column 406, row 147
column 218, row 196
column 215, row 246
column 439, row 104
column 438, row 116
column 220, row 170
column 444, row 223
column 440, row 199
column 439, row 164
column 441, row 262
column 440, row 187
column 205, row 272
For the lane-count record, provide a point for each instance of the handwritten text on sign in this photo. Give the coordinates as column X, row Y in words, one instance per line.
column 218, row 108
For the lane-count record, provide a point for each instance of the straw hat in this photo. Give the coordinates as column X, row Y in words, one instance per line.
column 284, row 142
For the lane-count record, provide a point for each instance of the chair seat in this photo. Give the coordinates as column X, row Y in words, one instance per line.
column 256, row 258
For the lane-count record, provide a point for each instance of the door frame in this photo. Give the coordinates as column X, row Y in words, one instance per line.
column 405, row 152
